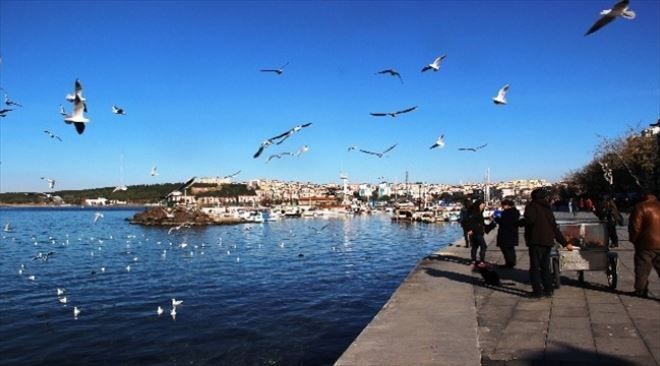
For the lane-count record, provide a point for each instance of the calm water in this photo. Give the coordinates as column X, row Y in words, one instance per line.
column 261, row 294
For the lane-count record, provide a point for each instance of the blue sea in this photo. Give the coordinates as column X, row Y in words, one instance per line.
column 279, row 293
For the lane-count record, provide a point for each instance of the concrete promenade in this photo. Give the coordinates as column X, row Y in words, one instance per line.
column 443, row 314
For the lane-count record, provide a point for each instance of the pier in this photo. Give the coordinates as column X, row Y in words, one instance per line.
column 444, row 314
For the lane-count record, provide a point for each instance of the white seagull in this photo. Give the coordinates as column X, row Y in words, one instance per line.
column 379, row 154
column 154, row 171
column 278, row 71
column 52, row 135
column 176, row 302
column 51, row 182
column 303, row 149
column 393, row 114
column 473, row 149
column 120, row 187
column 173, row 313
column 79, row 108
column 118, row 110
column 159, row 311
column 391, row 72
column 76, row 312
column 440, row 142
column 10, row 102
column 500, row 99
column 60, row 291
column 97, row 216
column 280, row 137
column 435, row 65
column 619, row 9
column 63, row 300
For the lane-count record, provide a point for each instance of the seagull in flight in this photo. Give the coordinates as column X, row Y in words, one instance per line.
column 98, row 216
column 351, row 148
column 394, row 114
column 303, row 149
column 500, row 99
column 10, row 102
column 154, row 171
column 232, row 175
column 619, row 9
column 379, row 154
column 473, row 149
column 280, row 137
column 51, row 182
column 391, row 72
column 79, row 108
column 278, row 71
column 290, row 132
column 4, row 111
column 63, row 113
column 52, row 135
column 435, row 65
column 440, row 142
column 278, row 156
column 120, row 187
column 118, row 110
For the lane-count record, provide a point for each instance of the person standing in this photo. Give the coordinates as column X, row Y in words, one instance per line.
column 610, row 215
column 644, row 233
column 541, row 231
column 507, row 232
column 476, row 232
column 463, row 220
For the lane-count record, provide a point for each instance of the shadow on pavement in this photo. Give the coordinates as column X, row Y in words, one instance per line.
column 562, row 354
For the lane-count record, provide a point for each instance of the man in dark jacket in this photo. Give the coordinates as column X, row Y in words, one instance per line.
column 644, row 232
column 507, row 232
column 476, row 232
column 463, row 220
column 541, row 231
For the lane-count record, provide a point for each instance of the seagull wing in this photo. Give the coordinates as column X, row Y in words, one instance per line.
column 270, row 70
column 406, row 110
column 261, row 149
column 57, row 137
column 426, row 68
column 80, row 127
column 306, row 124
column 502, row 93
column 434, row 146
column 619, row 7
column 466, row 149
column 378, row 114
column 78, row 87
column 388, row 149
column 480, row 147
column 369, row 152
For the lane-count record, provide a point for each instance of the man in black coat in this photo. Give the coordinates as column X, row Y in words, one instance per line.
column 507, row 232
column 541, row 231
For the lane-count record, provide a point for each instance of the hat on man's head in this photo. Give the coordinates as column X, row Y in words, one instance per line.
column 539, row 194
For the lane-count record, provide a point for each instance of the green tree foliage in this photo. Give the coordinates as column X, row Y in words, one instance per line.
column 139, row 194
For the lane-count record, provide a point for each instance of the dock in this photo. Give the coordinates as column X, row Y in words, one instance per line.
column 444, row 314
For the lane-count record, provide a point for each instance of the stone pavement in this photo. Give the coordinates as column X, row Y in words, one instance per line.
column 443, row 314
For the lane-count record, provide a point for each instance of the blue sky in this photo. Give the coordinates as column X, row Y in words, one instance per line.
column 187, row 75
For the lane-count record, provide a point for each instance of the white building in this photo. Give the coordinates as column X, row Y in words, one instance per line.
column 96, row 202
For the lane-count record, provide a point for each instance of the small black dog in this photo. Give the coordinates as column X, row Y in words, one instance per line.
column 490, row 277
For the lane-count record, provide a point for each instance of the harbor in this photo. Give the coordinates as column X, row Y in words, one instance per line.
column 444, row 314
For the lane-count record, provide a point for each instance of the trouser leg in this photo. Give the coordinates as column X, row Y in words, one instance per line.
column 546, row 275
column 614, row 237
column 645, row 259
column 509, row 254
column 466, row 237
column 482, row 248
column 473, row 249
column 535, row 269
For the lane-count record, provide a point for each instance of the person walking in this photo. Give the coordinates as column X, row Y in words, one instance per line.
column 463, row 220
column 541, row 231
column 611, row 216
column 507, row 232
column 644, row 233
column 476, row 232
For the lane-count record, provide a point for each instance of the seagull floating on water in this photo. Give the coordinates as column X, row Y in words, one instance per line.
column 619, row 9
column 52, row 135
column 391, row 72
column 63, row 300
column 60, row 291
column 393, row 114
column 501, row 95
column 76, row 312
column 435, row 65
column 176, row 302
column 439, row 143
column 118, row 110
column 278, row 71
column 159, row 311
column 381, row 154
column 473, row 149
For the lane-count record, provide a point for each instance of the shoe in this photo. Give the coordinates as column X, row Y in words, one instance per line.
column 536, row 295
column 643, row 294
column 548, row 293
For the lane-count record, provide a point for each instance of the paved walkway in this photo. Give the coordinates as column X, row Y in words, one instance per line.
column 443, row 314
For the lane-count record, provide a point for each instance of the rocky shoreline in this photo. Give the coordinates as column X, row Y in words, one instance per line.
column 160, row 216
